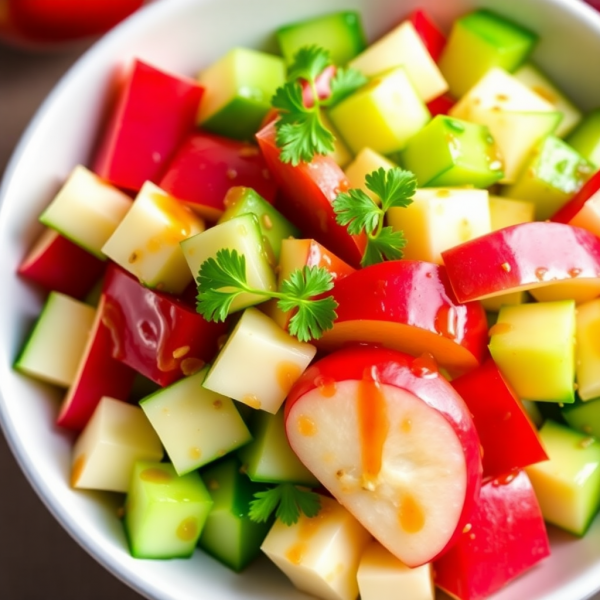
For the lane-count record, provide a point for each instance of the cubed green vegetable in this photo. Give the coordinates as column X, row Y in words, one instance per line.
column 453, row 152
column 584, row 416
column 586, row 138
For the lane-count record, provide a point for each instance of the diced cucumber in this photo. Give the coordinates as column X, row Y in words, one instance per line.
column 58, row 340
column 534, row 347
column 229, row 535
column 586, row 138
column 86, row 210
column 146, row 242
column 340, row 33
column 164, row 513
column 266, row 361
column 195, row 425
column 269, row 457
column 584, row 416
column 567, row 486
column 273, row 225
column 242, row 234
column 516, row 117
column 539, row 83
column 439, row 219
column 452, row 152
column 383, row 115
column 403, row 47
column 479, row 41
column 238, row 91
column 553, row 173
column 114, row 439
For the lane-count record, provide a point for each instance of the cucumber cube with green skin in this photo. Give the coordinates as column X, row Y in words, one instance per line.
column 586, row 138
column 57, row 342
column 534, row 347
column 583, row 416
column 86, row 210
column 195, row 425
column 479, row 41
column 340, row 33
column 453, row 152
column 164, row 513
column 242, row 234
column 273, row 225
column 238, row 92
column 383, row 115
column 539, row 83
column 551, row 176
column 229, row 535
column 266, row 360
column 567, row 486
column 269, row 457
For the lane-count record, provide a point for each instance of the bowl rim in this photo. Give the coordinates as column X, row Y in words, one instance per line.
column 152, row 12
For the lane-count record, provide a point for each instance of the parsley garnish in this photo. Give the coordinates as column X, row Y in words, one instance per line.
column 222, row 279
column 287, row 500
column 359, row 212
column 300, row 130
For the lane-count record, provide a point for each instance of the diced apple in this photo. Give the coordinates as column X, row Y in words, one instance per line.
column 55, row 346
column 403, row 47
column 195, row 425
column 267, row 362
column 429, row 33
column 504, row 538
column 383, row 115
column 583, row 210
column 86, row 210
column 320, row 555
column 505, row 212
column 378, row 305
column 117, row 435
column 528, row 256
column 568, row 485
column 154, row 112
column 393, row 442
column 381, row 576
column 534, row 347
column 365, row 162
column 242, row 234
column 440, row 218
column 587, row 350
column 146, row 242
column 56, row 263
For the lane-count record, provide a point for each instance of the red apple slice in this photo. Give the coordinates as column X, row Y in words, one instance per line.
column 392, row 442
column 551, row 260
column 408, row 305
column 505, row 537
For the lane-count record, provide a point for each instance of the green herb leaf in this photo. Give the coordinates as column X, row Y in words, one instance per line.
column 345, row 82
column 309, row 63
column 223, row 278
column 360, row 213
column 287, row 500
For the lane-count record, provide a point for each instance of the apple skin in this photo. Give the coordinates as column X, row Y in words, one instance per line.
column 508, row 437
column 573, row 206
column 527, row 256
column 418, row 377
column 495, row 549
column 307, row 194
column 408, row 305
column 428, row 31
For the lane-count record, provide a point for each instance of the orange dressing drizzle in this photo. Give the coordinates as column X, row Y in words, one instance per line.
column 499, row 329
column 326, row 386
column 188, row 529
column 155, row 476
column 287, row 374
column 425, row 366
column 306, row 426
column 77, row 469
column 410, row 514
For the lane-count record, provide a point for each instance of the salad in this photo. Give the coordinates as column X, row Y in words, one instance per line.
column 290, row 326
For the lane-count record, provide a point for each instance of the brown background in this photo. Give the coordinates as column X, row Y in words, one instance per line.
column 38, row 560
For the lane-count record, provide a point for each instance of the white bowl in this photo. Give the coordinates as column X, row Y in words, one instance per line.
column 183, row 36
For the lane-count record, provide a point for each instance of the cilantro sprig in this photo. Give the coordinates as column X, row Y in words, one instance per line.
column 287, row 501
column 301, row 132
column 222, row 279
column 360, row 213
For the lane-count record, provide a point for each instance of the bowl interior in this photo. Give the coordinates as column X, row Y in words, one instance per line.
column 183, row 36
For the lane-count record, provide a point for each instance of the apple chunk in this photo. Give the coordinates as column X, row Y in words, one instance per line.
column 393, row 443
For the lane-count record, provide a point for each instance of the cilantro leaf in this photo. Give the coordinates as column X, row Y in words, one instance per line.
column 345, row 82
column 302, row 138
column 223, row 278
column 287, row 500
column 309, row 63
column 360, row 213
column 395, row 187
column 356, row 210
